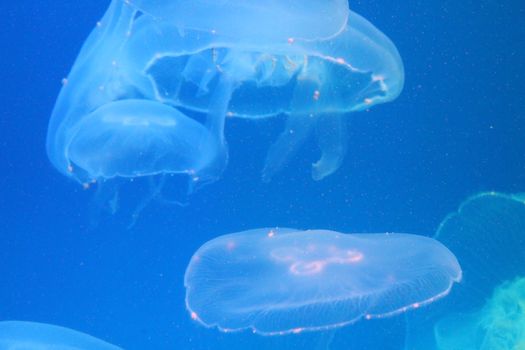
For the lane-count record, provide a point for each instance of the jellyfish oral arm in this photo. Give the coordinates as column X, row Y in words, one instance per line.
column 331, row 137
column 219, row 103
column 298, row 128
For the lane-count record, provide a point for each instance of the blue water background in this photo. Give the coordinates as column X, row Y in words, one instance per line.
column 458, row 128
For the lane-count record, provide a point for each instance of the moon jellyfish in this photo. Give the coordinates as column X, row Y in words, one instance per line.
column 500, row 324
column 278, row 281
column 487, row 236
column 152, row 86
column 41, row 336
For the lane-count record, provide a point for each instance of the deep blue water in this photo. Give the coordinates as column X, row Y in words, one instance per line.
column 457, row 129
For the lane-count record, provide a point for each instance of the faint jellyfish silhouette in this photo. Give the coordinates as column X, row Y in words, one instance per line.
column 499, row 324
column 486, row 235
column 41, row 336
column 279, row 281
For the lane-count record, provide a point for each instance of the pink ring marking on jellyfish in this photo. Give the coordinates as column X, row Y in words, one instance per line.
column 302, row 268
column 354, row 256
column 306, row 268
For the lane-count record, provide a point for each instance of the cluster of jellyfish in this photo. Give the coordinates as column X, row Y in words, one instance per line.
column 278, row 281
column 156, row 81
column 149, row 95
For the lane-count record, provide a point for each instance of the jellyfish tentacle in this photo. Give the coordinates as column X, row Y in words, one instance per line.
column 214, row 141
column 331, row 137
column 200, row 70
column 218, row 107
column 299, row 125
column 298, row 128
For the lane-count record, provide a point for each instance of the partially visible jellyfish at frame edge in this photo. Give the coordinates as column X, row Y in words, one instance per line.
column 40, row 336
column 152, row 87
column 487, row 235
column 282, row 281
column 499, row 324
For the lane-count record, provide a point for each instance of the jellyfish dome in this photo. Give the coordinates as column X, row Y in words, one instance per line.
column 278, row 281
column 41, row 336
column 151, row 88
column 253, row 21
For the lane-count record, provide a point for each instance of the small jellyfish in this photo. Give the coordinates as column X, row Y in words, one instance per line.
column 278, row 281
column 41, row 336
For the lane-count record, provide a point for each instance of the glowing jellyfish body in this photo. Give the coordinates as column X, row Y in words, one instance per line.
column 41, row 336
column 155, row 80
column 278, row 281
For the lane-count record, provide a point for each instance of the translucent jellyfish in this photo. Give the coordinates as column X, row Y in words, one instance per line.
column 41, row 336
column 500, row 324
column 252, row 22
column 153, row 84
column 278, row 281
column 486, row 235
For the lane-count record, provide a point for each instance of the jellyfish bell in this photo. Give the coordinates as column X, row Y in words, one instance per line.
column 252, row 21
column 41, row 336
column 132, row 138
column 279, row 281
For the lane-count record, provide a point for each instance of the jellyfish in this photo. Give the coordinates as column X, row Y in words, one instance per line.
column 151, row 88
column 499, row 324
column 486, row 235
column 315, row 83
column 41, row 336
column 280, row 281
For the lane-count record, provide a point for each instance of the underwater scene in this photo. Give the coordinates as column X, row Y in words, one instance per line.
column 262, row 174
